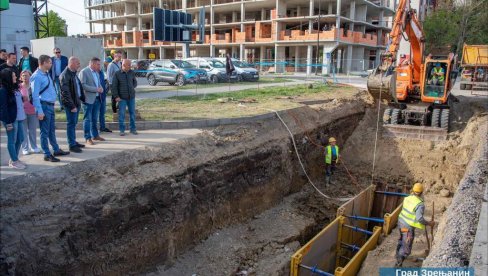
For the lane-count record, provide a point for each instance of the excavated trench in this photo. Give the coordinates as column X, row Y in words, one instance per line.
column 232, row 201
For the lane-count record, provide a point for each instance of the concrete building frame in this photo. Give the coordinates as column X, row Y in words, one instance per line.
column 279, row 35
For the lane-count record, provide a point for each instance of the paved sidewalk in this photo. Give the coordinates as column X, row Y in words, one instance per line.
column 114, row 143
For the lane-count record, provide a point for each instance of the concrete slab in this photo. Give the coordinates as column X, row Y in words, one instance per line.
column 114, row 143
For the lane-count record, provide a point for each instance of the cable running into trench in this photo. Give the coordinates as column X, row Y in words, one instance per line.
column 301, row 163
column 377, row 129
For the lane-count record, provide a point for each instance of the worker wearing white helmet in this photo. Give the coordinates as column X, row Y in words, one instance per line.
column 411, row 217
column 331, row 159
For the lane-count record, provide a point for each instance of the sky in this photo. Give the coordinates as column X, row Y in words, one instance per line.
column 73, row 12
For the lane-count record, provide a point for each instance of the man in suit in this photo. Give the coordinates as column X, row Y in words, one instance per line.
column 72, row 95
column 27, row 62
column 59, row 64
column 92, row 85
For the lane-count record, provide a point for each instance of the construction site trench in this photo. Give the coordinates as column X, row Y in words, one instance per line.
column 234, row 200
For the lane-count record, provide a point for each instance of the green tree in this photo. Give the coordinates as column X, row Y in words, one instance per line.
column 456, row 22
column 56, row 24
column 441, row 29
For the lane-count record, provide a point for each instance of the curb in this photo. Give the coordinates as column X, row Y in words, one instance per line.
column 147, row 125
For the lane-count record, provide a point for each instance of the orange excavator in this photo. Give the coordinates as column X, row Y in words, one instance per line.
column 418, row 89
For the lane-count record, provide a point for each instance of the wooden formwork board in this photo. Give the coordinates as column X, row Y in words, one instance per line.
column 391, row 220
column 324, row 249
column 320, row 251
column 353, row 266
column 360, row 205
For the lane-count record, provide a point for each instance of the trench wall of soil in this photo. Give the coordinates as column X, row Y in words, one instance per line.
column 131, row 210
column 457, row 230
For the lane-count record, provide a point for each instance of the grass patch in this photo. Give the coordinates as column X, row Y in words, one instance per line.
column 247, row 102
column 166, row 87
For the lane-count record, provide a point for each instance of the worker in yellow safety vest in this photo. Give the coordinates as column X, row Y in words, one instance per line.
column 331, row 159
column 437, row 74
column 411, row 217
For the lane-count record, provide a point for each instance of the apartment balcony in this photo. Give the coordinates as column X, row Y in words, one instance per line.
column 291, row 35
column 359, row 37
column 346, row 36
column 263, row 32
column 196, row 37
column 221, row 38
column 113, row 43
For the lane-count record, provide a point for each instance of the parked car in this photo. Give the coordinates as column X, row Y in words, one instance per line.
column 245, row 72
column 215, row 69
column 140, row 66
column 174, row 72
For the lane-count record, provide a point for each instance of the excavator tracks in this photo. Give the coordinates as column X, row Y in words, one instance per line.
column 437, row 131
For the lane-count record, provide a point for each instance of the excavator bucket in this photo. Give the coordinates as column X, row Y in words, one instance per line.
column 382, row 86
column 415, row 132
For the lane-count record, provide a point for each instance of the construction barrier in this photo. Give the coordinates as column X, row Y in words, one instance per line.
column 341, row 247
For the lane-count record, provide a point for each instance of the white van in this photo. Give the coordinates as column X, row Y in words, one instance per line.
column 245, row 72
column 215, row 69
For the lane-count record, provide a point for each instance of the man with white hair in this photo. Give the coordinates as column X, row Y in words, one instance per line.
column 123, row 90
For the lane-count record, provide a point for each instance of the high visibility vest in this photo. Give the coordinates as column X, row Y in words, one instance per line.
column 441, row 78
column 328, row 154
column 410, row 203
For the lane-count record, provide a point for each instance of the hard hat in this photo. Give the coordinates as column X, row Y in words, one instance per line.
column 113, row 51
column 418, row 188
column 332, row 139
column 437, row 64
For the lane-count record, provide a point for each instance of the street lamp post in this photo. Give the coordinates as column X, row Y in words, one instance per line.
column 318, row 41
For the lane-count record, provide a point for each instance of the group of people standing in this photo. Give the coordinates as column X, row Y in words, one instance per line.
column 27, row 101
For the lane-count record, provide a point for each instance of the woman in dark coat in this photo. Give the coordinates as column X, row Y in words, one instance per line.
column 12, row 115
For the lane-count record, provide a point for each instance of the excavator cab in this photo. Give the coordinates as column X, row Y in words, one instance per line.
column 436, row 81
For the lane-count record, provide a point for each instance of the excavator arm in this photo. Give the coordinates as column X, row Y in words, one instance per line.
column 400, row 80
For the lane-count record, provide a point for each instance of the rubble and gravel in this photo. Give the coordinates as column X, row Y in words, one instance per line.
column 459, row 225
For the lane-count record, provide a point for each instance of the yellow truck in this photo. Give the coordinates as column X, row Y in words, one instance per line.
column 475, row 67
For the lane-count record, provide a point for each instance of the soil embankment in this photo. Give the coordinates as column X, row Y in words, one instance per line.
column 129, row 211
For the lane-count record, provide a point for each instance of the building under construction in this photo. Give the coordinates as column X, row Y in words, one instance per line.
column 343, row 35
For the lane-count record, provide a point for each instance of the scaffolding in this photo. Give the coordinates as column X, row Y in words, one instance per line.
column 41, row 21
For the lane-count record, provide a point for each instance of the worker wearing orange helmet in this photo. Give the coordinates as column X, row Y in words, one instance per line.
column 331, row 159
column 411, row 217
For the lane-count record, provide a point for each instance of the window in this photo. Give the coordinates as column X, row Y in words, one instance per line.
column 182, row 64
column 217, row 64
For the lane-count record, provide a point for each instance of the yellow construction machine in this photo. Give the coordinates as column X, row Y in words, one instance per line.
column 418, row 88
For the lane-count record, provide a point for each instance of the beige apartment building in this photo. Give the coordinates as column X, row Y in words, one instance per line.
column 280, row 35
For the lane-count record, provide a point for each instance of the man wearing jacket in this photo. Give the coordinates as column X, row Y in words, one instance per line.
column 27, row 62
column 114, row 66
column 123, row 91
column 92, row 85
column 72, row 95
column 59, row 64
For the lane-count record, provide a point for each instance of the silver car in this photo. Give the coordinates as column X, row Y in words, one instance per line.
column 175, row 72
